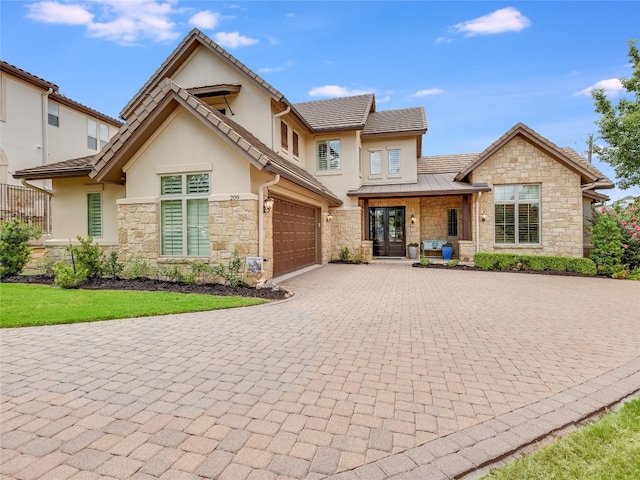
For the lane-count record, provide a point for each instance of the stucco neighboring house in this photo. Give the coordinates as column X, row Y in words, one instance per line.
column 213, row 159
column 40, row 126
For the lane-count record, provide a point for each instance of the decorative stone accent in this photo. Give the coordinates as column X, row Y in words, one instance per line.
column 346, row 231
column 519, row 162
column 434, row 221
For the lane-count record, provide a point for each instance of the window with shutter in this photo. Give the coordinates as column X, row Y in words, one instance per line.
column 94, row 215
column 394, row 162
column 284, row 136
column 328, row 155
column 185, row 214
column 296, row 146
column 375, row 160
column 517, row 214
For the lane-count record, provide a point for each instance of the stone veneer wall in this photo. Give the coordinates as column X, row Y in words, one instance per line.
column 519, row 162
column 346, row 231
column 434, row 221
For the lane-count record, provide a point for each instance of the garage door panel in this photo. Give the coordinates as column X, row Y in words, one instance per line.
column 294, row 236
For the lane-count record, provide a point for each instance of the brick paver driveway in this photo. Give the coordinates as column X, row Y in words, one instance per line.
column 362, row 363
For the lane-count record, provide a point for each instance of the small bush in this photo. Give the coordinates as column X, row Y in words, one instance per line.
column 232, row 273
column 509, row 261
column 68, row 277
column 112, row 268
column 171, row 273
column 452, row 263
column 137, row 267
column 424, row 260
column 87, row 256
column 14, row 246
column 345, row 254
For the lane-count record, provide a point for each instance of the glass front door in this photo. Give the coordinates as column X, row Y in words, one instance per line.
column 386, row 230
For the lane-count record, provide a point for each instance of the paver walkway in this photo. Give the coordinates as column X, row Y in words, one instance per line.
column 375, row 371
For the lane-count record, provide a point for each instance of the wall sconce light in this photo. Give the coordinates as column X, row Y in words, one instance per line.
column 268, row 203
column 413, row 219
column 483, row 216
column 329, row 217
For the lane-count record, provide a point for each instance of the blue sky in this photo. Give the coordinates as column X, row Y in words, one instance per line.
column 477, row 67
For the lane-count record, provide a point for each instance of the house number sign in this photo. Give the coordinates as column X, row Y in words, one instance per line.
column 234, row 197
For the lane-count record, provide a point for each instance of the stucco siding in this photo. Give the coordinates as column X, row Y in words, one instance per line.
column 408, row 171
column 519, row 162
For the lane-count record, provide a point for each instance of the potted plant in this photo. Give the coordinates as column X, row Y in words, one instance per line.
column 413, row 250
column 447, row 251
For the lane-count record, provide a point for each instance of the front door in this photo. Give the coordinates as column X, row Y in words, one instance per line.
column 386, row 226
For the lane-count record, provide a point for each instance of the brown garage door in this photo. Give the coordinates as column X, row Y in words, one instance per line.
column 294, row 236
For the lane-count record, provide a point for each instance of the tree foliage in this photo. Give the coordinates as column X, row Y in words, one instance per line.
column 14, row 246
column 620, row 125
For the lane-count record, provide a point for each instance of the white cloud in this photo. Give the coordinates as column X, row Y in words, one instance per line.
column 205, row 20
column 385, row 99
column 125, row 22
column 336, row 91
column 233, row 40
column 612, row 87
column 428, row 91
column 54, row 12
column 443, row 40
column 503, row 20
column 279, row 68
column 290, row 15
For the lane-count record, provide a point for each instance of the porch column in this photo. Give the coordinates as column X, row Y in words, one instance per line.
column 365, row 210
column 466, row 217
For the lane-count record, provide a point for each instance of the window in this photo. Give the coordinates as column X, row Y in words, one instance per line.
column 54, row 114
column 296, row 147
column 517, row 214
column 284, row 136
column 394, row 162
column 94, row 215
column 375, row 159
column 452, row 222
column 184, row 212
column 97, row 134
column 328, row 158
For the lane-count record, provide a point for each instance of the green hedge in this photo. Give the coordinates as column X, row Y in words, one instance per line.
column 511, row 261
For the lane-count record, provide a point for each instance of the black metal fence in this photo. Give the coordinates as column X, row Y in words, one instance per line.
column 25, row 204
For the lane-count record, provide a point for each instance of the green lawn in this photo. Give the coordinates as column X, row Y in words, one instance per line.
column 30, row 305
column 606, row 449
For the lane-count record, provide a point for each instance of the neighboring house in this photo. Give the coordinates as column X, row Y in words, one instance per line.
column 627, row 201
column 39, row 126
column 213, row 159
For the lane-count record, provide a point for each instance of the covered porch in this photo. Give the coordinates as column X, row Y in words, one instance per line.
column 436, row 208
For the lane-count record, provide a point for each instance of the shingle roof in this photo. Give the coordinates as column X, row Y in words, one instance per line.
column 445, row 163
column 29, row 77
column 69, row 168
column 334, row 114
column 396, row 121
column 573, row 160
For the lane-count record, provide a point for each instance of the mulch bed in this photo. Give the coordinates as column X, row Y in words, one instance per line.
column 150, row 284
column 532, row 272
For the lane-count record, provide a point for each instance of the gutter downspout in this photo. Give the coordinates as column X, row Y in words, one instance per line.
column 273, row 128
column 478, row 222
column 261, row 213
column 45, row 127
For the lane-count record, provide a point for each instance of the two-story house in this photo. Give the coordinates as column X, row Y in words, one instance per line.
column 214, row 159
column 40, row 126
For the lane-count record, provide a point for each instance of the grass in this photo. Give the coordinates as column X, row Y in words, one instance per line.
column 606, row 449
column 32, row 305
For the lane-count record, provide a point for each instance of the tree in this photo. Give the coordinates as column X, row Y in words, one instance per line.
column 620, row 126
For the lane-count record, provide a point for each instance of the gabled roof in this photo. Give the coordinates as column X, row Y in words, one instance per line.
column 76, row 167
column 55, row 95
column 176, row 59
column 335, row 114
column 401, row 121
column 587, row 172
column 162, row 101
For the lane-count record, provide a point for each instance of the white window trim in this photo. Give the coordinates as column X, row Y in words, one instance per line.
column 371, row 174
column 399, row 172
column 516, row 202
column 337, row 171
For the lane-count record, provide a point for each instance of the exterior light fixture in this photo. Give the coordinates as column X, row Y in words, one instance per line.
column 329, row 217
column 268, row 203
column 413, row 219
column 483, row 216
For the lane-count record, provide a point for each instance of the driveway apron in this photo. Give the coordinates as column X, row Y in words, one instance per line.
column 368, row 371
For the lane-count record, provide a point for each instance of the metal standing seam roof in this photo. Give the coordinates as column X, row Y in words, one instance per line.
column 431, row 184
column 335, row 114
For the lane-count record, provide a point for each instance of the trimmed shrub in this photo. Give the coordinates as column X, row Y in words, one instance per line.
column 510, row 261
column 87, row 256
